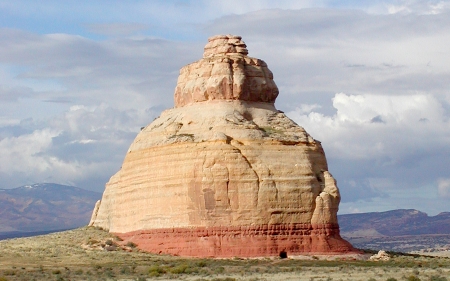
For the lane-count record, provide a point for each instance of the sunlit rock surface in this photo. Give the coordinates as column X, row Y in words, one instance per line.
column 224, row 173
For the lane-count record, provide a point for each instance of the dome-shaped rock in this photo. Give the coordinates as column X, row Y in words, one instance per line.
column 224, row 173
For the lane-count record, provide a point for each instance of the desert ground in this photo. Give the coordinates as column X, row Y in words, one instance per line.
column 93, row 254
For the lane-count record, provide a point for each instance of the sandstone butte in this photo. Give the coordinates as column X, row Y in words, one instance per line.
column 224, row 173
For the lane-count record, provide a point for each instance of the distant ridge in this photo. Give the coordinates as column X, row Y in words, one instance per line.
column 44, row 207
column 19, row 234
column 394, row 223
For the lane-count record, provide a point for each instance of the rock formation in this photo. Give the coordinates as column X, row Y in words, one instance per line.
column 380, row 256
column 225, row 73
column 224, row 173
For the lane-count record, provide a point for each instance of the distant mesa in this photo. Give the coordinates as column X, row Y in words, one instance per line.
column 224, row 173
column 406, row 221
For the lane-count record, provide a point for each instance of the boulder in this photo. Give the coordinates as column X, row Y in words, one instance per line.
column 380, row 256
column 224, row 173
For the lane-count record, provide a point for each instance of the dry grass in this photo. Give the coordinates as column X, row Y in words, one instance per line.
column 80, row 255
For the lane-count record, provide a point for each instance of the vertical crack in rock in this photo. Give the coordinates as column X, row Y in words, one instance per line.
column 224, row 173
column 276, row 192
column 228, row 194
column 255, row 201
column 231, row 64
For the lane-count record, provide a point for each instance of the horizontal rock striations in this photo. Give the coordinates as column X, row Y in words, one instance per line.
column 224, row 173
column 225, row 73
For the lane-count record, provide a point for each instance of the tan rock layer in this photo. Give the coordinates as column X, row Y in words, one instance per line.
column 242, row 241
column 221, row 163
column 225, row 73
column 221, row 45
column 224, row 173
column 209, row 184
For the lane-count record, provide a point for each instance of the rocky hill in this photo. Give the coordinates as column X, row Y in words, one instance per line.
column 224, row 173
column 394, row 223
column 44, row 207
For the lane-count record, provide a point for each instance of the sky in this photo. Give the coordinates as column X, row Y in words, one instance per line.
column 369, row 79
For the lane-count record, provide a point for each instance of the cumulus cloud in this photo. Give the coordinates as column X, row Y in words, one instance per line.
column 72, row 148
column 403, row 110
column 25, row 156
column 381, row 144
column 378, row 126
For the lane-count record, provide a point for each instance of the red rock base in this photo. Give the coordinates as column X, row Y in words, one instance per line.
column 242, row 241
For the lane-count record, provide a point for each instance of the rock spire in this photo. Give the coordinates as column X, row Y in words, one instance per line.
column 225, row 73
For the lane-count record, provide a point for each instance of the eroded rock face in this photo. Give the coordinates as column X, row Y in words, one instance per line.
column 224, row 174
column 225, row 73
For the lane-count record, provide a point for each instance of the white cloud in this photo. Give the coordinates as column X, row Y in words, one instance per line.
column 78, row 69
column 378, row 145
column 240, row 7
column 81, row 98
column 404, row 110
column 377, row 126
column 352, row 210
column 306, row 108
column 26, row 154
column 72, row 148
column 417, row 6
column 444, row 187
column 8, row 121
column 328, row 50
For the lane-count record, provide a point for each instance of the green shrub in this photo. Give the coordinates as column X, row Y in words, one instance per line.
column 56, row 271
column 9, row 272
column 3, row 279
column 179, row 269
column 125, row 270
column 270, row 130
column 131, row 244
column 156, row 270
column 219, row 270
column 78, row 272
column 97, row 267
column 413, row 278
column 92, row 241
column 391, row 279
column 437, row 278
